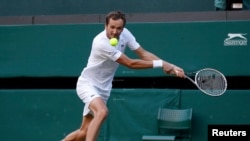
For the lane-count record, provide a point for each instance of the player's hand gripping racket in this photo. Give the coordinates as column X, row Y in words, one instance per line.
column 209, row 81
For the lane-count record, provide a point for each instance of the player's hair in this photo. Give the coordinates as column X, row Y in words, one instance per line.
column 115, row 15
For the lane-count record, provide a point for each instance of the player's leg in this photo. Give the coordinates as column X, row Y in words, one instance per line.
column 100, row 111
column 80, row 134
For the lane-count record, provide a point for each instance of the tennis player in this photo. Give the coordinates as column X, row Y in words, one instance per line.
column 95, row 82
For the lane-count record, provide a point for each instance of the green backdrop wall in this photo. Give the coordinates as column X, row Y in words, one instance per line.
column 52, row 114
column 62, row 50
column 68, row 7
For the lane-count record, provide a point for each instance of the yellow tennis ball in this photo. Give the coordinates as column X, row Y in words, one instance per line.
column 113, row 41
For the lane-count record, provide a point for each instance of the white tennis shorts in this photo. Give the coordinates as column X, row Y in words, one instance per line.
column 87, row 92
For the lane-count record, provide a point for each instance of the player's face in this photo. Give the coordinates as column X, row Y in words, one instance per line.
column 114, row 28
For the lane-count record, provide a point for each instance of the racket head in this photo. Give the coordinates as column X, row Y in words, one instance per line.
column 211, row 81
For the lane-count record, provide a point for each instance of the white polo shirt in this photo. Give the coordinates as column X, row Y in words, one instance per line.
column 101, row 66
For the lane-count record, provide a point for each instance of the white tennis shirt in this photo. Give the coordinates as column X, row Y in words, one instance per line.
column 101, row 66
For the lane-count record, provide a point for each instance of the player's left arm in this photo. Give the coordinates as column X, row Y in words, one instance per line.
column 167, row 67
column 145, row 55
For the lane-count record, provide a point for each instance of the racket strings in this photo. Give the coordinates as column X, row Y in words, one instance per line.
column 211, row 82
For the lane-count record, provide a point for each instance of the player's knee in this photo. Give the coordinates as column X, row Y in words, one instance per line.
column 102, row 113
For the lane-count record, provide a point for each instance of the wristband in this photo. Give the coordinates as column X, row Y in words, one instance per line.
column 157, row 63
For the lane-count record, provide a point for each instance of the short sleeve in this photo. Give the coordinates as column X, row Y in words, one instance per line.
column 131, row 40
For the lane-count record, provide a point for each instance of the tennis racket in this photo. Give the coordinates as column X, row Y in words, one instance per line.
column 210, row 81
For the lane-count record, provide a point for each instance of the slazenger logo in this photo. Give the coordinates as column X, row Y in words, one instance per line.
column 236, row 39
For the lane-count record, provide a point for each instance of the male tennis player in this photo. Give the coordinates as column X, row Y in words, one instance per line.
column 95, row 82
